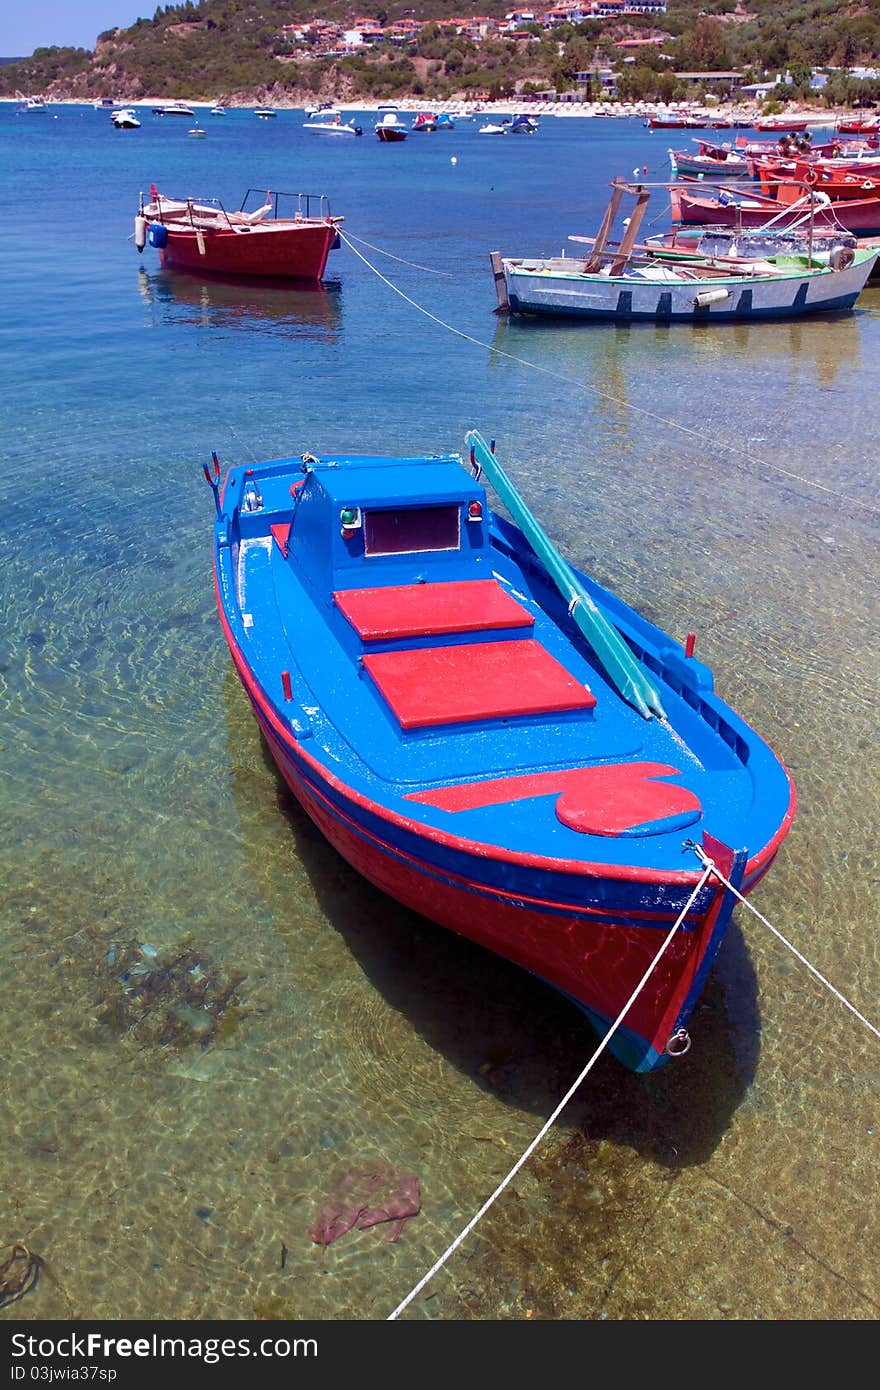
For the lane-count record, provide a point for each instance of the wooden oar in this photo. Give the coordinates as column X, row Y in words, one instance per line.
column 615, row 656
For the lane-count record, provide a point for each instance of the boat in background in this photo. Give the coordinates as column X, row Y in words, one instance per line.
column 493, row 128
column 524, row 125
column 31, row 105
column 697, row 204
column 676, row 121
column 790, row 124
column 173, row 108
column 205, row 237
column 714, row 161
column 623, row 281
column 325, row 110
column 265, row 113
column 196, row 133
column 218, row 110
column 125, row 119
column 488, row 735
column 334, row 125
column 390, row 128
column 425, row 122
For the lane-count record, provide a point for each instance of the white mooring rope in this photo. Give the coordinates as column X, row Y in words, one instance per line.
column 707, row 872
column 709, row 869
column 737, row 452
column 704, row 859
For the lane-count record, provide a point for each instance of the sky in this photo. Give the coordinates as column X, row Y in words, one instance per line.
column 29, row 24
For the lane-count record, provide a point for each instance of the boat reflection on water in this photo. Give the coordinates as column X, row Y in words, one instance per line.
column 829, row 345
column 243, row 303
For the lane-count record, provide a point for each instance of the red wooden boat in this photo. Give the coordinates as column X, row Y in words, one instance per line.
column 691, row 204
column 676, row 123
column 205, row 237
column 780, row 123
column 869, row 126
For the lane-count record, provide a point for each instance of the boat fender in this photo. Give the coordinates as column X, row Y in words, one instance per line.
column 157, row 235
column 841, row 258
column 140, row 232
column 707, row 297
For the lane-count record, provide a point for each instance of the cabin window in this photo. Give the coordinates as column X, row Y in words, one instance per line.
column 403, row 530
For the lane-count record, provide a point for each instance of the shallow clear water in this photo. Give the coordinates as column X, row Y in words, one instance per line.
column 722, row 480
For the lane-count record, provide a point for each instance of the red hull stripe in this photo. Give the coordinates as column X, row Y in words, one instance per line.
column 422, row 610
column 486, row 680
column 304, row 786
column 594, row 800
column 581, row 868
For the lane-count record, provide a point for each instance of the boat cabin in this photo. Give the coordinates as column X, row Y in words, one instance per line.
column 374, row 521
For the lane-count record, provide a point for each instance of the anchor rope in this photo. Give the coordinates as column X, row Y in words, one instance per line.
column 707, row 873
column 701, row 855
column 429, row 270
column 736, row 452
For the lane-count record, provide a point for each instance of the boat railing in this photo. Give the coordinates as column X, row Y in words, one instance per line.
column 300, row 205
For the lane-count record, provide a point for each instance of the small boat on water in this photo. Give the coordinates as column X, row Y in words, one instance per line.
column 31, row 105
column 713, row 161
column 622, row 282
column 425, row 122
column 790, row 124
column 265, row 113
column 125, row 119
column 390, row 128
column 218, row 110
column 494, row 128
column 675, row 121
column 173, row 108
column 287, row 236
column 490, row 736
column 324, row 110
column 196, row 133
column 524, row 125
column 335, row 125
column 699, row 205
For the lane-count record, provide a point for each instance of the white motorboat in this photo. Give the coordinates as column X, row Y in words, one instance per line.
column 125, row 119
column 334, row 126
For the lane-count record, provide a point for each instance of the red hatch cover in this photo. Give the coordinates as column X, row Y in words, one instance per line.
column 485, row 680
column 415, row 610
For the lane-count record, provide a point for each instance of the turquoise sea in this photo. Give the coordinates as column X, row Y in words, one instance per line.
column 722, row 479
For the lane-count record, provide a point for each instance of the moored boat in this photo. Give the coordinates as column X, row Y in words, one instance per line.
column 205, row 237
column 31, row 105
column 619, row 282
column 489, row 735
column 390, row 128
column 334, row 125
column 713, row 161
column 173, row 108
column 125, row 119
column 695, row 205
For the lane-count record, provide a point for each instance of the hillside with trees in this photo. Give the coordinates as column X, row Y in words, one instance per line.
column 250, row 50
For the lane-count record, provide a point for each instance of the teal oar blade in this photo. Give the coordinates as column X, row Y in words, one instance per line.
column 612, row 651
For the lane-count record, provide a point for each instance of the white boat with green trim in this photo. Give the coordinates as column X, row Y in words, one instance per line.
column 623, row 281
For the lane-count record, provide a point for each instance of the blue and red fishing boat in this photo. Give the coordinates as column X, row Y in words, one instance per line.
column 490, row 736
